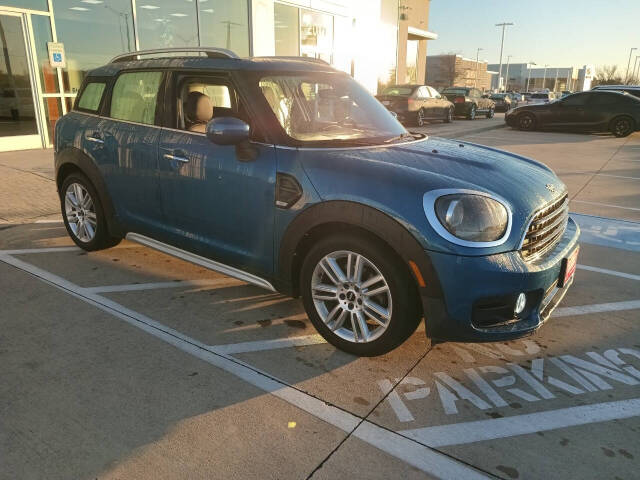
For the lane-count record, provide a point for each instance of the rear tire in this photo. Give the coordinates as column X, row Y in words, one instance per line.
column 449, row 116
column 526, row 121
column 472, row 113
column 622, row 126
column 83, row 214
column 491, row 112
column 338, row 304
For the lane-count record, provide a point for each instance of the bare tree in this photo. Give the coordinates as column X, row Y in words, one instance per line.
column 609, row 75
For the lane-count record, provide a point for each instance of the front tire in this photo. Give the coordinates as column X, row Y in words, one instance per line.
column 83, row 215
column 358, row 296
column 622, row 126
column 449, row 116
column 526, row 121
column 420, row 118
column 491, row 112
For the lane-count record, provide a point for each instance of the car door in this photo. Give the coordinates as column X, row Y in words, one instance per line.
column 129, row 133
column 218, row 199
column 569, row 111
column 440, row 106
column 602, row 107
column 476, row 96
column 426, row 101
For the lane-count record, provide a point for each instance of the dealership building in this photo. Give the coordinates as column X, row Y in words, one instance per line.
column 50, row 45
column 523, row 76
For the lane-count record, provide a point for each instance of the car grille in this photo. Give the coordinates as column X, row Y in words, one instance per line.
column 546, row 228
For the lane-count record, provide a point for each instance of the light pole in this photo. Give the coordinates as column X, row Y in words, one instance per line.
column 634, row 67
column 475, row 83
column 629, row 62
column 544, row 77
column 504, row 25
column 529, row 77
column 506, row 75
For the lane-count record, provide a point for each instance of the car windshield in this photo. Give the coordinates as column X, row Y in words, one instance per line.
column 397, row 91
column 540, row 95
column 457, row 91
column 325, row 108
column 498, row 96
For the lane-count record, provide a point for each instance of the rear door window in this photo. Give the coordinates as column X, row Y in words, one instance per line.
column 91, row 97
column 135, row 97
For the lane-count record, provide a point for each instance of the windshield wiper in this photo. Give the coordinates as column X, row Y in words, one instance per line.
column 402, row 136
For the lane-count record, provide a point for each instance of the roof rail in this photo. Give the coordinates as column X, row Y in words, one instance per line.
column 211, row 52
column 292, row 57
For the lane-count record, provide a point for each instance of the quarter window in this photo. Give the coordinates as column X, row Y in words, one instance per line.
column 135, row 97
column 91, row 96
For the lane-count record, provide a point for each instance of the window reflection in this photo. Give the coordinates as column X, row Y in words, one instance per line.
column 42, row 35
column 225, row 24
column 30, row 4
column 287, row 30
column 316, row 35
column 167, row 23
column 92, row 34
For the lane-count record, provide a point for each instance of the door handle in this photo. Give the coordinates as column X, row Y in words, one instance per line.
column 93, row 138
column 176, row 158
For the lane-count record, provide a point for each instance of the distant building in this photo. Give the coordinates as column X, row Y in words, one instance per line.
column 455, row 70
column 527, row 76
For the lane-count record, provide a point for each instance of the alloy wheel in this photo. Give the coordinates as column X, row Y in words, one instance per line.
column 449, row 115
column 525, row 122
column 420, row 118
column 351, row 296
column 80, row 212
column 622, row 127
column 472, row 113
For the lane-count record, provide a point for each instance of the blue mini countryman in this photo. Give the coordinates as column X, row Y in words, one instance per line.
column 289, row 175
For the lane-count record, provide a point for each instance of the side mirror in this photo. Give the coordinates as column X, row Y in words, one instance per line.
column 227, row 131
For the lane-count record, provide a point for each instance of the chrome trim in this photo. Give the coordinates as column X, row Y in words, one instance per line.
column 367, row 147
column 551, row 245
column 95, row 140
column 212, row 52
column 429, row 205
column 198, row 260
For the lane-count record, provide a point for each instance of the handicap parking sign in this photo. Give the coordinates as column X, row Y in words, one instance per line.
column 56, row 55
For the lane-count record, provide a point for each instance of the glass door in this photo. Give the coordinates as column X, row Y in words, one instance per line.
column 18, row 115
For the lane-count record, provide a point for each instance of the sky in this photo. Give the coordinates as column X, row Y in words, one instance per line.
column 559, row 33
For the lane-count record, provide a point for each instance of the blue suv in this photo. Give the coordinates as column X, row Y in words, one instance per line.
column 289, row 175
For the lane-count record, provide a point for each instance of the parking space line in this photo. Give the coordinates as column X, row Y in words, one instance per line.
column 483, row 430
column 134, row 287
column 617, row 176
column 422, row 457
column 606, row 205
column 262, row 345
column 596, row 308
column 606, row 271
column 26, row 251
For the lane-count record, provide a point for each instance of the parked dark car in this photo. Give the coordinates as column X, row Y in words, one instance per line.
column 469, row 102
column 503, row 101
column 287, row 174
column 596, row 110
column 630, row 89
column 415, row 104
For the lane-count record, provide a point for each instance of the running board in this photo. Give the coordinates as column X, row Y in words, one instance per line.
column 198, row 260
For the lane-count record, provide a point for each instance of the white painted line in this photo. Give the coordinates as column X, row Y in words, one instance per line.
column 606, row 205
column 26, row 251
column 261, row 345
column 429, row 461
column 629, row 276
column 49, row 221
column 616, row 176
column 596, row 308
column 135, row 287
column 483, row 430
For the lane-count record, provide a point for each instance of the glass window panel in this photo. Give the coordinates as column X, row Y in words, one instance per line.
column 135, row 96
column 287, row 29
column 91, row 96
column 42, row 35
column 30, row 4
column 387, row 44
column 167, row 23
column 412, row 61
column 316, row 35
column 225, row 24
column 53, row 111
column 92, row 34
column 17, row 113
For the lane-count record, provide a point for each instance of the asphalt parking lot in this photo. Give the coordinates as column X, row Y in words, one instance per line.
column 128, row 363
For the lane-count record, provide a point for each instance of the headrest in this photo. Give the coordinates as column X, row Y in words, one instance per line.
column 198, row 108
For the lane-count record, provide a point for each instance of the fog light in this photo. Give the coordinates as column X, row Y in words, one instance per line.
column 521, row 302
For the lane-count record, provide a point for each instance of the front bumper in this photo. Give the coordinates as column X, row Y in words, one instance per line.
column 470, row 284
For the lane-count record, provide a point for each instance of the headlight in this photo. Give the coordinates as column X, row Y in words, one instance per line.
column 468, row 218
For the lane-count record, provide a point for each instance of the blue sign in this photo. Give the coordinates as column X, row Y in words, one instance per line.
column 57, row 57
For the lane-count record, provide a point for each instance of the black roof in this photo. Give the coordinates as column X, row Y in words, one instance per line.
column 295, row 64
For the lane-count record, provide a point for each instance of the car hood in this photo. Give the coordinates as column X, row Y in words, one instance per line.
column 391, row 177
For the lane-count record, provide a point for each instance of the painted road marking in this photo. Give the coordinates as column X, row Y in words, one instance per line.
column 483, row 430
column 26, row 251
column 616, row 176
column 597, row 308
column 262, row 345
column 607, row 205
column 608, row 232
column 606, row 271
column 134, row 287
column 413, row 453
